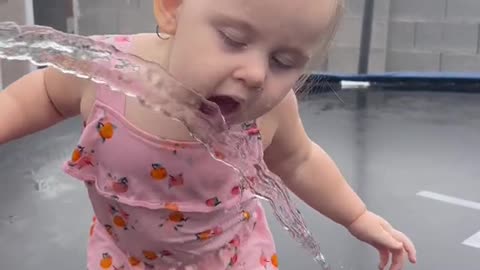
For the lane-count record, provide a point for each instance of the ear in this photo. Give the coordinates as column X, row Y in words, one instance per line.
column 166, row 14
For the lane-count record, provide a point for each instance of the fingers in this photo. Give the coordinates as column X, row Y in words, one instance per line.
column 387, row 244
column 398, row 254
column 397, row 259
column 407, row 244
column 384, row 258
column 388, row 241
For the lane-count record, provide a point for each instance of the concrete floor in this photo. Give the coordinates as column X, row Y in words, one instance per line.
column 403, row 144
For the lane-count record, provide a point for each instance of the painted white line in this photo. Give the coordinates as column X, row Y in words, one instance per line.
column 473, row 241
column 449, row 199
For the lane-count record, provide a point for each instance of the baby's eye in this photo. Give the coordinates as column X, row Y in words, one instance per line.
column 282, row 63
column 231, row 41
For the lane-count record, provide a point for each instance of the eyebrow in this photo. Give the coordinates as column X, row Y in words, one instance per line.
column 237, row 22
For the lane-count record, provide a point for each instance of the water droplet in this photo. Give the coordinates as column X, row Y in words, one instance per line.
column 12, row 219
column 321, row 260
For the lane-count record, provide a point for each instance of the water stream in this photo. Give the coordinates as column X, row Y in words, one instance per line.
column 155, row 88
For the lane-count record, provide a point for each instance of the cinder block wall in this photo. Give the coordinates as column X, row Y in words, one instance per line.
column 434, row 35
column 345, row 52
column 115, row 16
column 53, row 13
column 408, row 35
column 21, row 12
column 411, row 35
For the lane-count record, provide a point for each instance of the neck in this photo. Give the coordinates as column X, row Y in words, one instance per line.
column 151, row 48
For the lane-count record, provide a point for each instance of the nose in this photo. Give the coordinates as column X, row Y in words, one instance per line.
column 252, row 72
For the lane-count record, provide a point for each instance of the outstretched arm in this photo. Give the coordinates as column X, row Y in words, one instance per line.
column 37, row 101
column 313, row 176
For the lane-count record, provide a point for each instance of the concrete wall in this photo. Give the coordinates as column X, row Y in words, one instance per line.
column 408, row 35
column 344, row 54
column 53, row 13
column 20, row 11
column 412, row 35
column 115, row 16
column 442, row 33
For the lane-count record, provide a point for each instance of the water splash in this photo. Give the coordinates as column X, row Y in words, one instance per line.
column 159, row 91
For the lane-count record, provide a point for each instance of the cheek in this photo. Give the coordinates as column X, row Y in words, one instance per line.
column 268, row 101
column 281, row 86
column 275, row 92
column 194, row 63
column 275, row 98
column 185, row 68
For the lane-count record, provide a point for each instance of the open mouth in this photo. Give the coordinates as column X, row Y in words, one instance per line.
column 226, row 104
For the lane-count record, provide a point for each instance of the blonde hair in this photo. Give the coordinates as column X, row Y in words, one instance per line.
column 305, row 84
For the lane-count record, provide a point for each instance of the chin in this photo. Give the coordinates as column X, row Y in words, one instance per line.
column 238, row 119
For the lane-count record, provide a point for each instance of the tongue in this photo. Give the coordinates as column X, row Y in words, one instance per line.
column 226, row 104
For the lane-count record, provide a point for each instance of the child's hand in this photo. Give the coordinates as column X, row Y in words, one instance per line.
column 377, row 232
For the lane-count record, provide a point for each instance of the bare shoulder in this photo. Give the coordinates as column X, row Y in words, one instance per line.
column 289, row 142
column 149, row 47
column 141, row 46
column 72, row 95
column 65, row 91
column 284, row 115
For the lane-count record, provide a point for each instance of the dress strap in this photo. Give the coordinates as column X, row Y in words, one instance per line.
column 114, row 99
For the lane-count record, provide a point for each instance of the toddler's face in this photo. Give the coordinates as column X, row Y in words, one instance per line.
column 246, row 55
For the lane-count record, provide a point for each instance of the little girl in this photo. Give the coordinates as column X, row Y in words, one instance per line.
column 165, row 203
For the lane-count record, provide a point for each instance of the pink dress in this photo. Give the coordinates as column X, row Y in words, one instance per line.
column 161, row 204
